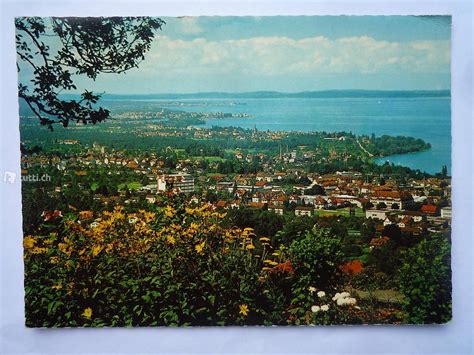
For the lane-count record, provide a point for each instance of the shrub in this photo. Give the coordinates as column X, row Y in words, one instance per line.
column 317, row 257
column 425, row 280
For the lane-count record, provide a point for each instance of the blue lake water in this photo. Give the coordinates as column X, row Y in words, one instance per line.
column 426, row 118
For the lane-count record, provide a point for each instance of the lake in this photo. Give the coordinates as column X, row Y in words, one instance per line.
column 425, row 118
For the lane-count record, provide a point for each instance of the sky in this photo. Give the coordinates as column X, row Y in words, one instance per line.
column 290, row 54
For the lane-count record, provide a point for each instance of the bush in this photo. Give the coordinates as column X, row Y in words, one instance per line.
column 142, row 269
column 425, row 280
column 317, row 257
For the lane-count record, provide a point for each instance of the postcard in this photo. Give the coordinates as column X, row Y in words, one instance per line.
column 218, row 171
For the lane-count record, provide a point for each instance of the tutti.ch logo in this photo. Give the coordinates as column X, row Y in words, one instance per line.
column 9, row 177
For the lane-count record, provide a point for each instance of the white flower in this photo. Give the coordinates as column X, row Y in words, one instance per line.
column 325, row 308
column 341, row 301
column 351, row 301
column 315, row 309
column 312, row 289
column 345, row 294
column 346, row 301
column 321, row 294
column 336, row 296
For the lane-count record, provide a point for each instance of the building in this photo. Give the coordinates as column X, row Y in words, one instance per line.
column 276, row 209
column 177, row 183
column 417, row 216
column 446, row 212
column 429, row 209
column 304, row 211
column 376, row 214
column 392, row 199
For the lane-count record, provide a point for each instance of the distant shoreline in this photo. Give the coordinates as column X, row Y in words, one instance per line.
column 276, row 94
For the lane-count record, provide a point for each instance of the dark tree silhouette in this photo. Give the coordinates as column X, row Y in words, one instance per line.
column 83, row 46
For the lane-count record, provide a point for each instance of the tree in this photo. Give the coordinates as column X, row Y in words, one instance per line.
column 381, row 205
column 315, row 190
column 444, row 171
column 425, row 280
column 55, row 49
column 316, row 258
column 393, row 232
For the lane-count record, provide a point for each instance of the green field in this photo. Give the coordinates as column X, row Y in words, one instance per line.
column 359, row 212
column 134, row 185
column 209, row 158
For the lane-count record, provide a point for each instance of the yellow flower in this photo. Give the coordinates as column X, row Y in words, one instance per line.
column 200, row 247
column 54, row 260
column 264, row 239
column 62, row 247
column 170, row 239
column 96, row 250
column 169, row 211
column 109, row 247
column 28, row 242
column 244, row 309
column 250, row 246
column 38, row 250
column 87, row 313
column 86, row 214
column 56, row 287
column 270, row 262
column 149, row 216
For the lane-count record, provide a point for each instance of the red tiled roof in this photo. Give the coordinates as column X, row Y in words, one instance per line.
column 258, row 205
column 429, row 208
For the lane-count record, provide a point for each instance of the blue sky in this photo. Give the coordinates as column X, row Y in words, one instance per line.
column 237, row 54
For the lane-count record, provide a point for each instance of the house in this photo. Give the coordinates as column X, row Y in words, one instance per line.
column 376, row 214
column 429, row 209
column 405, row 222
column 225, row 186
column 446, row 212
column 276, row 209
column 416, row 216
column 235, row 204
column 304, row 211
column 320, row 203
column 389, row 220
column 279, row 200
column 257, row 205
column 293, row 199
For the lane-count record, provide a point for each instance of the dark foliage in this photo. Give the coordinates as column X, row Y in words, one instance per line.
column 87, row 46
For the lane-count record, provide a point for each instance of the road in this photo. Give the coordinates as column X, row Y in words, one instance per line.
column 365, row 150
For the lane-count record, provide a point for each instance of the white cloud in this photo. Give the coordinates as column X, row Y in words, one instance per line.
column 188, row 25
column 269, row 56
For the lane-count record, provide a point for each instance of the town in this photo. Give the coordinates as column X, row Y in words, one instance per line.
column 282, row 182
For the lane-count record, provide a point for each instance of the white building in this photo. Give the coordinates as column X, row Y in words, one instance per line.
column 446, row 212
column 304, row 211
column 178, row 183
column 376, row 214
